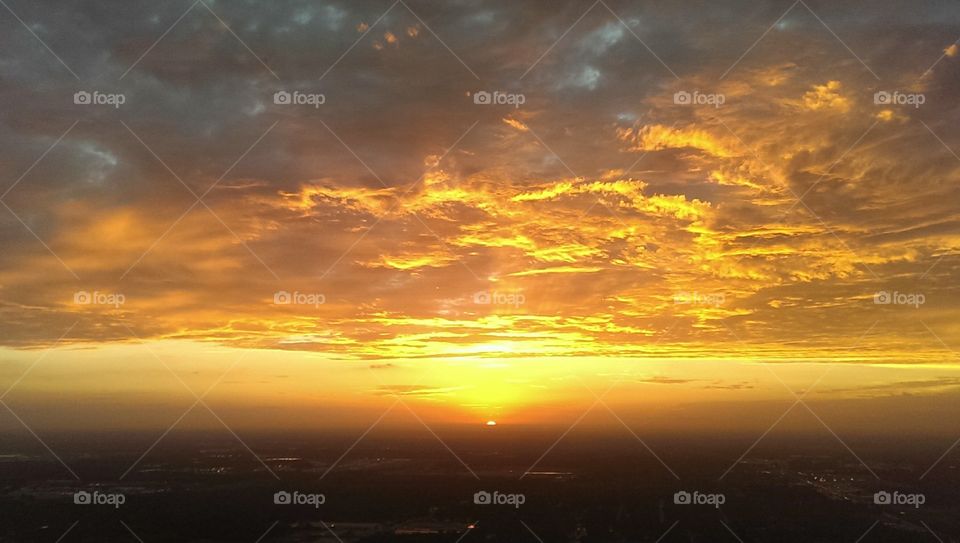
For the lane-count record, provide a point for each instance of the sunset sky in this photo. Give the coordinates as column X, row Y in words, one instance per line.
column 507, row 261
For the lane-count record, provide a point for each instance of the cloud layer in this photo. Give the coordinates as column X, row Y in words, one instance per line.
column 647, row 180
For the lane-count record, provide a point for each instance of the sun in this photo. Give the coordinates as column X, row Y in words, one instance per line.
column 491, row 423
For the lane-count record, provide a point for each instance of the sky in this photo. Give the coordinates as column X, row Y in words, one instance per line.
column 487, row 209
